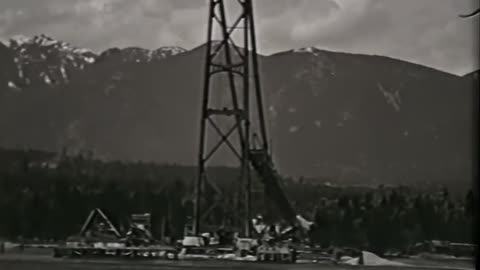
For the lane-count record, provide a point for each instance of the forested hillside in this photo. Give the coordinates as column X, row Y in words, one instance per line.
column 46, row 196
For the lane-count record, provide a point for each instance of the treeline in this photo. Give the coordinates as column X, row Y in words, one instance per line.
column 50, row 200
column 48, row 197
column 394, row 220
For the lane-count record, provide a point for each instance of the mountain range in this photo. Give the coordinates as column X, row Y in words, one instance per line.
column 349, row 117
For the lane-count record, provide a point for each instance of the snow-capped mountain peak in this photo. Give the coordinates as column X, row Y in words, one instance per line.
column 141, row 55
column 167, row 51
column 306, row 50
column 41, row 60
column 47, row 41
column 18, row 40
column 42, row 40
column 46, row 60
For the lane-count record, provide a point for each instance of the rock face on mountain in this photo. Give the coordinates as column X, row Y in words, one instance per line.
column 353, row 118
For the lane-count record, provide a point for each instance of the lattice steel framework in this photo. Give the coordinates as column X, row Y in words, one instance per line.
column 225, row 57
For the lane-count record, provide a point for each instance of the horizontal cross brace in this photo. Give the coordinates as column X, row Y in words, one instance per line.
column 225, row 112
column 237, row 69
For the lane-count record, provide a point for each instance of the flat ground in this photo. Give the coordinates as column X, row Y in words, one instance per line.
column 43, row 260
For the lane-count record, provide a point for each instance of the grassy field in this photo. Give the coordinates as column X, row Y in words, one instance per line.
column 46, row 264
column 43, row 260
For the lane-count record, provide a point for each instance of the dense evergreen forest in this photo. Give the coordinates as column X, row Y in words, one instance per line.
column 45, row 196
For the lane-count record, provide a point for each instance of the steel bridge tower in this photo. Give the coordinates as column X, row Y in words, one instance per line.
column 237, row 62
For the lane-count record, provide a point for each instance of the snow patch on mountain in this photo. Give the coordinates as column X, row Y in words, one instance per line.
column 90, row 60
column 19, row 40
column 392, row 98
column 47, row 79
column 4, row 41
column 13, row 86
column 47, row 60
column 141, row 55
column 45, row 41
column 305, row 50
column 311, row 50
column 83, row 51
column 171, row 50
column 64, row 73
column 273, row 112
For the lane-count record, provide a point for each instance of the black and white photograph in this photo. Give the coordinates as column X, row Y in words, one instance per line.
column 239, row 134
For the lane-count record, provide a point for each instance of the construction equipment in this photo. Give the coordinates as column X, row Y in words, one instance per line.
column 275, row 248
column 139, row 232
column 98, row 227
column 263, row 165
column 99, row 237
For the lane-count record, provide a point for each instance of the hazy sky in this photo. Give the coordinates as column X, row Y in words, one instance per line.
column 428, row 32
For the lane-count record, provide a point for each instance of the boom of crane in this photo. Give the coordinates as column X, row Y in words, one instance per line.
column 262, row 162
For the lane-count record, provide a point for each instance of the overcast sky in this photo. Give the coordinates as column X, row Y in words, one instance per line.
column 428, row 32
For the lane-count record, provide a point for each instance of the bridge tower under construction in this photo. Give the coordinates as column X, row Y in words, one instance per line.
column 233, row 125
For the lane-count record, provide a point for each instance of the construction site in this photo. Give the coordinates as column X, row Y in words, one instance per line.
column 232, row 122
column 240, row 127
column 237, row 126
